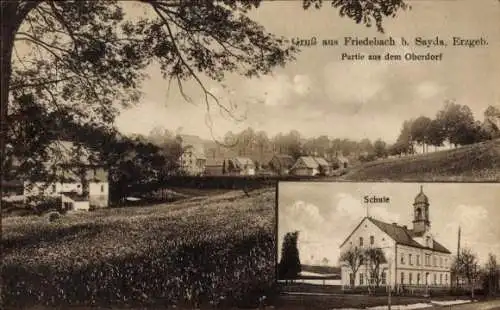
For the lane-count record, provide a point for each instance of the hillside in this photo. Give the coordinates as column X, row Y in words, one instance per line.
column 476, row 162
column 212, row 249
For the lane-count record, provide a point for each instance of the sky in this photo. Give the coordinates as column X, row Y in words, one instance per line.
column 320, row 94
column 325, row 213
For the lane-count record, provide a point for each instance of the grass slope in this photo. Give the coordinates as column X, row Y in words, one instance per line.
column 207, row 250
column 477, row 162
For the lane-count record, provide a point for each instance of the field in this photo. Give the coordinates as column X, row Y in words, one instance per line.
column 477, row 162
column 212, row 250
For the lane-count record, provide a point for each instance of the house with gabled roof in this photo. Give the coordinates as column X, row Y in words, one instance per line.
column 311, row 166
column 74, row 171
column 193, row 160
column 281, row 163
column 239, row 166
column 414, row 257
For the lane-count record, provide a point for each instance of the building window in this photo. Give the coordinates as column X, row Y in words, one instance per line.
column 410, row 279
column 418, row 260
column 372, row 240
column 402, row 277
column 384, row 278
column 351, row 279
column 402, row 259
column 446, row 262
column 410, row 259
column 446, row 278
column 418, row 278
column 441, row 279
column 434, row 260
column 361, row 279
column 441, row 262
column 53, row 188
column 427, row 259
column 102, row 188
column 360, row 241
column 435, row 279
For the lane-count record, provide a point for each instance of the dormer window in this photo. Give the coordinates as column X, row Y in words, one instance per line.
column 428, row 241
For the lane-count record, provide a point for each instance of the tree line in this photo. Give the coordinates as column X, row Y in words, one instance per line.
column 453, row 124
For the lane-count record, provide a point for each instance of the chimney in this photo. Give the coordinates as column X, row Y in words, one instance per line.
column 405, row 227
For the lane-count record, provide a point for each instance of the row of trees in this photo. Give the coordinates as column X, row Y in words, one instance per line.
column 454, row 124
column 260, row 147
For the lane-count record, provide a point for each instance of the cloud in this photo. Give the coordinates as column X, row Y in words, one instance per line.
column 352, row 208
column 428, row 90
column 277, row 90
column 323, row 228
column 477, row 230
column 354, row 81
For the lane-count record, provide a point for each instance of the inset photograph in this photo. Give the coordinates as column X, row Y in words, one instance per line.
column 354, row 243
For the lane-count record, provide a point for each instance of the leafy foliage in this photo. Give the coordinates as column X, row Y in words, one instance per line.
column 353, row 258
column 289, row 266
column 362, row 11
column 466, row 265
column 374, row 258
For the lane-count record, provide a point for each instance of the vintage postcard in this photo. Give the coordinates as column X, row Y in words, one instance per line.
column 150, row 150
column 356, row 244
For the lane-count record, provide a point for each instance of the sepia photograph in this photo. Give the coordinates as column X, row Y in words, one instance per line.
column 144, row 146
column 366, row 245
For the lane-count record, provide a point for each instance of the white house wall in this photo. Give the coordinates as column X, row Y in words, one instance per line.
column 81, row 206
column 441, row 269
column 99, row 194
column 33, row 189
column 381, row 240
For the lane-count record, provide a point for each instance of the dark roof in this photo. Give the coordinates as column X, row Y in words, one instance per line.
column 401, row 235
column 404, row 236
column 75, row 196
column 284, row 160
column 398, row 233
column 414, row 234
column 421, row 197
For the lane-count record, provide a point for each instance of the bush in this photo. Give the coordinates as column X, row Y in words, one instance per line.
column 53, row 216
column 46, row 204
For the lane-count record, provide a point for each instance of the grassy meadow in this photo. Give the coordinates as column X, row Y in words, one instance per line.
column 476, row 162
column 214, row 250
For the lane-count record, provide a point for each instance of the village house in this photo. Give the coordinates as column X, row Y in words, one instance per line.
column 75, row 177
column 193, row 160
column 281, row 164
column 413, row 257
column 339, row 162
column 311, row 166
column 239, row 166
column 213, row 166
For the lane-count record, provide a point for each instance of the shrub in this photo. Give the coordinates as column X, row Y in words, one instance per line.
column 53, row 216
